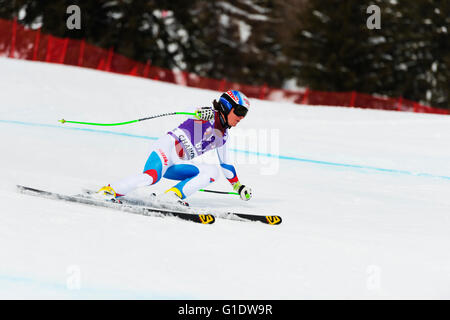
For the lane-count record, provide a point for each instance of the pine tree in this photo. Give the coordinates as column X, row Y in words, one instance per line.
column 134, row 28
column 408, row 56
column 236, row 40
column 328, row 54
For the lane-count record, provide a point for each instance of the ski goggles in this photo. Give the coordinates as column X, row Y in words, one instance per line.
column 240, row 111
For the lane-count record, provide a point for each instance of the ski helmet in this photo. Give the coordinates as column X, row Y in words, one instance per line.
column 234, row 100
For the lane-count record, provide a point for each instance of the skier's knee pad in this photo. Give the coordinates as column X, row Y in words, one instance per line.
column 153, row 167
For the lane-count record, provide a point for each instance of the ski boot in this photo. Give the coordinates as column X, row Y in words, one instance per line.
column 171, row 199
column 107, row 193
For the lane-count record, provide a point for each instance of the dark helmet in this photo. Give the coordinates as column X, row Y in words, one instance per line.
column 234, row 100
column 231, row 100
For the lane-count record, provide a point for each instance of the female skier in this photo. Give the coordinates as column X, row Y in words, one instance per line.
column 171, row 155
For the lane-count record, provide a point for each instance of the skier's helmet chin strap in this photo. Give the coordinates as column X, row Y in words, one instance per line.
column 222, row 115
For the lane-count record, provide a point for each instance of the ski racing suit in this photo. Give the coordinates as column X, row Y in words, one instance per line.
column 170, row 157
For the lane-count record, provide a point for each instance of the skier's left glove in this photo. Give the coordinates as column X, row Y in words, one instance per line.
column 244, row 192
column 204, row 113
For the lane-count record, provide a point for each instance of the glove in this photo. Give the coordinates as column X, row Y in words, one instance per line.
column 205, row 114
column 244, row 192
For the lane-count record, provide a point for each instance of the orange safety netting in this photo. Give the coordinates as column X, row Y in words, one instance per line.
column 17, row 41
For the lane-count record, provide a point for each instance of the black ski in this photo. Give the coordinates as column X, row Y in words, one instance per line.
column 270, row 219
column 126, row 207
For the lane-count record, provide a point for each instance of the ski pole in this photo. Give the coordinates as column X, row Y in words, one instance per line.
column 221, row 192
column 126, row 122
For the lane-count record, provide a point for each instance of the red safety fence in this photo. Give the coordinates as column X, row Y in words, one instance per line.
column 17, row 41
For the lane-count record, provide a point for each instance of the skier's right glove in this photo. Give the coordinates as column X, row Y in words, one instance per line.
column 244, row 192
column 205, row 114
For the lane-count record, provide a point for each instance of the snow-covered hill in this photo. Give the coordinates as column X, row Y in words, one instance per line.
column 364, row 195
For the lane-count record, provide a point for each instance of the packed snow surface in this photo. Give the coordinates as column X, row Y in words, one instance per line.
column 364, row 197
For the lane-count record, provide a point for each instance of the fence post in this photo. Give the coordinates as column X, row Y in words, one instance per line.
column 305, row 97
column 353, row 99
column 49, row 47
column 80, row 57
column 134, row 71
column 109, row 59
column 36, row 44
column 399, row 104
column 185, row 78
column 12, row 49
column 262, row 91
column 101, row 64
column 63, row 54
column 147, row 68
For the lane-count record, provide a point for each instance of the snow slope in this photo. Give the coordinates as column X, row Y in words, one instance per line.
column 364, row 195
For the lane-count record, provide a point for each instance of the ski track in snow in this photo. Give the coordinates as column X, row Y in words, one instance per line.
column 363, row 195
